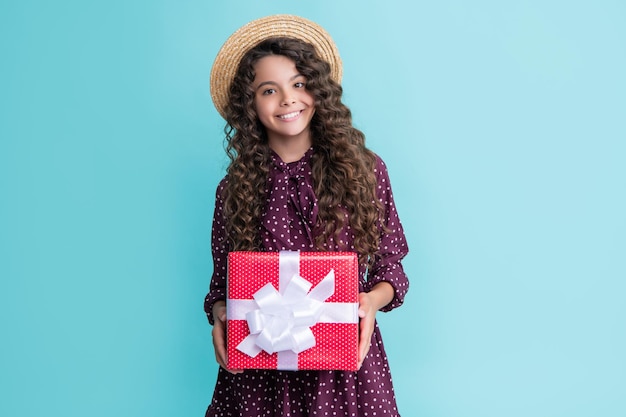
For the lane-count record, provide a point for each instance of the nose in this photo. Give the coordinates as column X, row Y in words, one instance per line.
column 287, row 100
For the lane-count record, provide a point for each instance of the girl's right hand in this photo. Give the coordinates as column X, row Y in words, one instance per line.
column 219, row 336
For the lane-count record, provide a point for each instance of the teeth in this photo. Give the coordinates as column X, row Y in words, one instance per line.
column 289, row 115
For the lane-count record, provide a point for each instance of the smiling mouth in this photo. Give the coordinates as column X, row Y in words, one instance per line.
column 291, row 115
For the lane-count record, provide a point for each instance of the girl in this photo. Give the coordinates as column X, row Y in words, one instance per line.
column 300, row 178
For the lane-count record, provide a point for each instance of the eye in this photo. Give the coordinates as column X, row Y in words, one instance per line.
column 299, row 84
column 268, row 91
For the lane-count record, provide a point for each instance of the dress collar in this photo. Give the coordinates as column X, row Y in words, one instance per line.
column 291, row 167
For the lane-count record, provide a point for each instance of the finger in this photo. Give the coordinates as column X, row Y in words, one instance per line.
column 363, row 354
column 364, row 346
column 224, row 364
column 364, row 304
column 365, row 337
column 219, row 345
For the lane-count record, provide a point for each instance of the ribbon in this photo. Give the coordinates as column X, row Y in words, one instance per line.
column 280, row 321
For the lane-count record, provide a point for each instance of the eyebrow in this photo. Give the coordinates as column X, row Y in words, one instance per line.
column 264, row 83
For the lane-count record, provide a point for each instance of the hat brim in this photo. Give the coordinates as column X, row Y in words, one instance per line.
column 251, row 34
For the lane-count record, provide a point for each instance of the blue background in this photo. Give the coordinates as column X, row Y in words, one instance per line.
column 503, row 126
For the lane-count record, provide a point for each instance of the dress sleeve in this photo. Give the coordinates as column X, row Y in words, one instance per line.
column 219, row 248
column 393, row 245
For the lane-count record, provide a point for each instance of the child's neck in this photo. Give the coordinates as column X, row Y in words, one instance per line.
column 290, row 150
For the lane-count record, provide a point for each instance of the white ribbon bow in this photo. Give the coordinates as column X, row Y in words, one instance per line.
column 282, row 321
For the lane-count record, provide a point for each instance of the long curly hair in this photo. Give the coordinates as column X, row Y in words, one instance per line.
column 342, row 167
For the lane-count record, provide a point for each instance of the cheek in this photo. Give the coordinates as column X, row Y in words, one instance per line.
column 264, row 105
column 262, row 114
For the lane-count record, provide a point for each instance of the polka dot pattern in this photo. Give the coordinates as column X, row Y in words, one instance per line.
column 336, row 344
column 287, row 224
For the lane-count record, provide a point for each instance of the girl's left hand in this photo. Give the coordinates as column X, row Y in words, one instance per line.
column 369, row 304
column 367, row 315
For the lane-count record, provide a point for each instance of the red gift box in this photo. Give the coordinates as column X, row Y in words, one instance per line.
column 292, row 310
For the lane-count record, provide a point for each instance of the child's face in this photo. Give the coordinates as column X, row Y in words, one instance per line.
column 283, row 104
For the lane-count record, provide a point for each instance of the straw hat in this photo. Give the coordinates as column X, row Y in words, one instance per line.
column 253, row 33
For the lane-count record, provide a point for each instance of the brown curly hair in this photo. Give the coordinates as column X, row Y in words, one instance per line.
column 342, row 167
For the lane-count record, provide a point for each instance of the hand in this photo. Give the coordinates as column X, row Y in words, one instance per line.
column 219, row 336
column 367, row 315
column 369, row 304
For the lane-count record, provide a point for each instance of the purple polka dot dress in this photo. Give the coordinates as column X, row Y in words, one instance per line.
column 287, row 224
